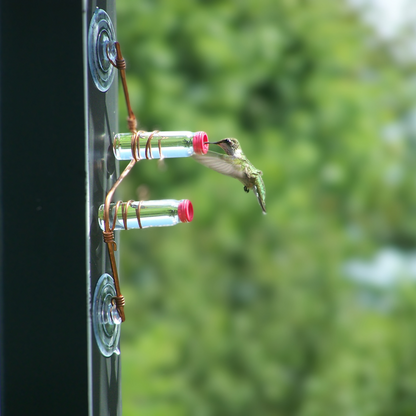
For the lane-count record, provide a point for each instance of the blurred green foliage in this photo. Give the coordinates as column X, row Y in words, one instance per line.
column 243, row 314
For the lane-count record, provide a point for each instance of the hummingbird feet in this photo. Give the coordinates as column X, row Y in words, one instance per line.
column 246, row 189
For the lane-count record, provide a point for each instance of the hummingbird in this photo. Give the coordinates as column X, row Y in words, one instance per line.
column 235, row 164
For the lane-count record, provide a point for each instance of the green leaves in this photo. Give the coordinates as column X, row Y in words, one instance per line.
column 239, row 313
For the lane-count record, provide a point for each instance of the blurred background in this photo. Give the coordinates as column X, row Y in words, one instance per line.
column 311, row 309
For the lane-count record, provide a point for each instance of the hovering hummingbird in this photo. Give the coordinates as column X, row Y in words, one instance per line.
column 235, row 164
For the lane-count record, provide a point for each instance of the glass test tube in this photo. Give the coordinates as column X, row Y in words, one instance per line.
column 143, row 214
column 159, row 145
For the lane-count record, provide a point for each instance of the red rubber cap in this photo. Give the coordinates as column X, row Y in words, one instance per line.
column 185, row 211
column 200, row 143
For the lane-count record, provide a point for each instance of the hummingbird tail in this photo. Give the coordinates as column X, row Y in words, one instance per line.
column 260, row 198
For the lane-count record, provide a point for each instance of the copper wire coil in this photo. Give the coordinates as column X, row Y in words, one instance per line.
column 119, row 301
column 116, row 208
column 132, row 123
column 160, row 148
column 148, row 149
column 120, row 63
column 124, row 212
column 135, row 145
column 138, row 215
column 109, row 235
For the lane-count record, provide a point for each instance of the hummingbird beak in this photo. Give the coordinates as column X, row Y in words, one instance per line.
column 215, row 142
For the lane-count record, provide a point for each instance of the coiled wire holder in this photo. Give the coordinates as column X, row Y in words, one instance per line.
column 108, row 233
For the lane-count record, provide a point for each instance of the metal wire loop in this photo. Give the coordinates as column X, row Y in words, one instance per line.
column 132, row 123
column 108, row 236
column 120, row 62
column 108, row 233
column 116, row 207
column 124, row 212
column 148, row 149
column 138, row 214
column 135, row 145
column 159, row 145
column 119, row 301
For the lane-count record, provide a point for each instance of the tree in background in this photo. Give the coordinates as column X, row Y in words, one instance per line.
column 243, row 314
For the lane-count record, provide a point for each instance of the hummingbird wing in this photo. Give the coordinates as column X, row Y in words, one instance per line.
column 221, row 163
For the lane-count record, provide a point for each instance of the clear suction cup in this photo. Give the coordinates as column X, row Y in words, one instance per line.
column 105, row 318
column 101, row 38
